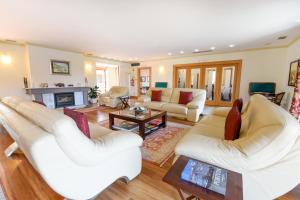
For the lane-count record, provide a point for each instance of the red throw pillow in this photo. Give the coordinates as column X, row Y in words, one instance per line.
column 39, row 102
column 233, row 124
column 238, row 103
column 185, row 97
column 156, row 95
column 80, row 119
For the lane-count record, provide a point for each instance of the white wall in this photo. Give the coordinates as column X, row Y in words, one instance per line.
column 260, row 65
column 11, row 75
column 293, row 53
column 40, row 66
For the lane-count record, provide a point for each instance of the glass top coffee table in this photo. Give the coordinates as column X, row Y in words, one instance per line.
column 143, row 121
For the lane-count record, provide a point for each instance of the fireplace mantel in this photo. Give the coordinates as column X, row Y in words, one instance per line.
column 46, row 95
column 55, row 90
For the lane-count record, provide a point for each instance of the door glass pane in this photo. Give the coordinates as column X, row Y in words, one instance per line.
column 181, row 78
column 210, row 80
column 195, row 78
column 227, row 83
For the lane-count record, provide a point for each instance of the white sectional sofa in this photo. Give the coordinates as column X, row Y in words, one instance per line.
column 267, row 154
column 169, row 102
column 73, row 165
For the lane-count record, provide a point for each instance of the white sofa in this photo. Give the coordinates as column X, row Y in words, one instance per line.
column 267, row 154
column 72, row 165
column 169, row 102
column 112, row 97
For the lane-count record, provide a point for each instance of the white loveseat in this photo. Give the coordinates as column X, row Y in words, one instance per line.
column 72, row 165
column 267, row 154
column 112, row 97
column 169, row 102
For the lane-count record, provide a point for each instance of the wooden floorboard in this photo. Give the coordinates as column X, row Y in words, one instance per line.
column 21, row 182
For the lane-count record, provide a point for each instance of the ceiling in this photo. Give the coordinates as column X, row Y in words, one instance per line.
column 149, row 29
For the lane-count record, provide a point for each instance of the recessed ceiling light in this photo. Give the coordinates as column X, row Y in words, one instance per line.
column 212, row 48
column 196, row 50
column 181, row 52
column 282, row 37
column 169, row 54
column 231, row 45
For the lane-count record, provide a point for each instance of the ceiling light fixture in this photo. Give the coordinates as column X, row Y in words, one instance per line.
column 231, row 45
column 212, row 48
column 196, row 50
column 282, row 37
column 181, row 52
column 169, row 54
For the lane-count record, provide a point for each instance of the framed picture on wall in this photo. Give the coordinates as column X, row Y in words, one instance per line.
column 60, row 67
column 293, row 73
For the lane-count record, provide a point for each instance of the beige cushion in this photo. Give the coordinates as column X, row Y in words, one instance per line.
column 157, row 105
column 197, row 94
column 175, row 108
column 166, row 93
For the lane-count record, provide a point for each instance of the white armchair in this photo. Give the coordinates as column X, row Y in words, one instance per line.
column 112, row 97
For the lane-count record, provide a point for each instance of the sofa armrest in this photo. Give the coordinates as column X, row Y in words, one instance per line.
column 194, row 104
column 144, row 99
column 212, row 150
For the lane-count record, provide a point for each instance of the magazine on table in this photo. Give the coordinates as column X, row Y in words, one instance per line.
column 205, row 175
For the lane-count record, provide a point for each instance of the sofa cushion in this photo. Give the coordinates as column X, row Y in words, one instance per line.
column 166, row 93
column 175, row 108
column 197, row 94
column 80, row 119
column 154, row 105
column 233, row 124
column 185, row 97
column 156, row 95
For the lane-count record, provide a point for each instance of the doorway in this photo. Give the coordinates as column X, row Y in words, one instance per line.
column 144, row 80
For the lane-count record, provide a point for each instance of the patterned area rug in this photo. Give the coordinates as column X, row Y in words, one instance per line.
column 159, row 146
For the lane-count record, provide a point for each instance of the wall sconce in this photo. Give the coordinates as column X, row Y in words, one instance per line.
column 161, row 69
column 88, row 67
column 5, row 59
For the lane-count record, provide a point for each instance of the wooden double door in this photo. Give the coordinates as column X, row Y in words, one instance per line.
column 221, row 80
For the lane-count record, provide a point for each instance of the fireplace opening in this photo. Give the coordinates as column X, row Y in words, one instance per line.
column 64, row 99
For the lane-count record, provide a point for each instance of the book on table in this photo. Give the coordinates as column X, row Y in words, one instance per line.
column 205, row 175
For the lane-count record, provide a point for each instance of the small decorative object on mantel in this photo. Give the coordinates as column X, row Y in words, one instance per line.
column 25, row 82
column 60, row 67
column 93, row 94
column 71, row 85
column 44, row 85
column 86, row 81
column 59, row 84
column 293, row 72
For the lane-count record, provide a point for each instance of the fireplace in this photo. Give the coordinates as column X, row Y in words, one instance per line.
column 64, row 99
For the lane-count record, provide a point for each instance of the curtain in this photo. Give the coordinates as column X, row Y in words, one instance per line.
column 295, row 106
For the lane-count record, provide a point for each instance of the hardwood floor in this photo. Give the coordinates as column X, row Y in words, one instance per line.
column 21, row 182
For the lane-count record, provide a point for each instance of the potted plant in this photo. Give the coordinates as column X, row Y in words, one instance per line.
column 93, row 94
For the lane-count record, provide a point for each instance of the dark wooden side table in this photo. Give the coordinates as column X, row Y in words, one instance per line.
column 234, row 188
column 124, row 100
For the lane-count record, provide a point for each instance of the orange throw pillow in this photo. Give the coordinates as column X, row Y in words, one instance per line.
column 233, row 124
column 156, row 95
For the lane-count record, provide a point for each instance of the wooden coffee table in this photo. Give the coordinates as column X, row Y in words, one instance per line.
column 141, row 120
column 234, row 187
